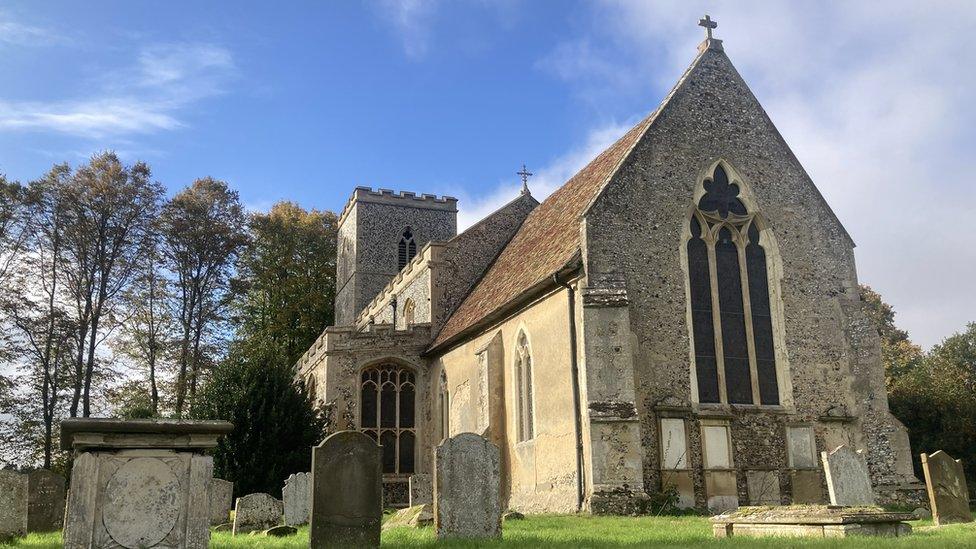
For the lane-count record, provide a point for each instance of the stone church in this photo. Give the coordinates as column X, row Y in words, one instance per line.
column 680, row 317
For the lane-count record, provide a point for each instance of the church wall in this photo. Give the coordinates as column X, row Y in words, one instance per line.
column 540, row 474
column 635, row 231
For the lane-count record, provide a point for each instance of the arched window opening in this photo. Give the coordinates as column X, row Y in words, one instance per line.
column 409, row 312
column 407, row 249
column 523, row 383
column 387, row 414
column 731, row 319
column 444, row 407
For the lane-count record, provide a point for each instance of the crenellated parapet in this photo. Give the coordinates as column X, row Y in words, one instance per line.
column 401, row 198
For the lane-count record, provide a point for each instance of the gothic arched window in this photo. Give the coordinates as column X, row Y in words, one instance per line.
column 523, row 387
column 409, row 313
column 444, row 407
column 731, row 318
column 407, row 248
column 387, row 414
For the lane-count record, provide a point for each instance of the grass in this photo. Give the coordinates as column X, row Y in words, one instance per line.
column 586, row 531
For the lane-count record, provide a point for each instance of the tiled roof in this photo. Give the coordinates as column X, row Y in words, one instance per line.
column 547, row 240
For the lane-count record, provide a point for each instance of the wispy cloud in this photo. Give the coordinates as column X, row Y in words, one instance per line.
column 14, row 32
column 147, row 97
column 412, row 21
column 547, row 178
column 872, row 100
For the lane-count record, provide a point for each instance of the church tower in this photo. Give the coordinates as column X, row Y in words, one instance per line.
column 379, row 232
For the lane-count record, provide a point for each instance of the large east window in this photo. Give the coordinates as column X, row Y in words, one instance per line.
column 731, row 317
column 388, row 393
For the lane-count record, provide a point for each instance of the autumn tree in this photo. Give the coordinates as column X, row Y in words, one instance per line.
column 34, row 303
column 147, row 331
column 203, row 232
column 109, row 208
column 287, row 280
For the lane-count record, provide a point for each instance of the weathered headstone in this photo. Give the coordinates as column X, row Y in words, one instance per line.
column 848, row 480
column 296, row 497
column 421, row 489
column 13, row 504
column 256, row 512
column 347, row 492
column 139, row 483
column 221, row 500
column 763, row 487
column 45, row 501
column 467, row 488
column 946, row 483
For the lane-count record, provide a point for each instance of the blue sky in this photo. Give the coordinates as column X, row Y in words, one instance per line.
column 304, row 100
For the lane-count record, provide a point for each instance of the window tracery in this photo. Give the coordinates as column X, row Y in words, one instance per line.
column 406, row 249
column 387, row 414
column 731, row 317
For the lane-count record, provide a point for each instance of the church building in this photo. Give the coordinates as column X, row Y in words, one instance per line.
column 680, row 317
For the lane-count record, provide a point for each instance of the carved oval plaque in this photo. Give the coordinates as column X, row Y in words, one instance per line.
column 141, row 503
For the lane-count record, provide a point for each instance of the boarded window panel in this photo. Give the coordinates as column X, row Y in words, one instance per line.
column 762, row 321
column 368, row 415
column 406, row 452
column 388, row 406
column 738, row 377
column 701, row 317
column 716, row 441
column 674, row 448
column 388, row 441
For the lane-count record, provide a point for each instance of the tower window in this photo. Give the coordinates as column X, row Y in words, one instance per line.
column 731, row 317
column 407, row 249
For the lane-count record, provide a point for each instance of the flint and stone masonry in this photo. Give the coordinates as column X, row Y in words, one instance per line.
column 565, row 333
column 139, row 483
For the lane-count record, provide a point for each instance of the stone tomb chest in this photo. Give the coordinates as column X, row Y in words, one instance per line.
column 139, row 483
column 819, row 521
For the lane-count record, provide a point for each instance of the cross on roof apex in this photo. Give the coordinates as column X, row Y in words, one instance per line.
column 708, row 24
column 524, row 174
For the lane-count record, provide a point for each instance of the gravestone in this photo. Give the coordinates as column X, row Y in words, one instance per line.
column 139, row 483
column 256, row 512
column 296, row 496
column 467, row 488
column 421, row 489
column 13, row 504
column 221, row 501
column 847, row 475
column 45, row 501
column 946, row 483
column 347, row 492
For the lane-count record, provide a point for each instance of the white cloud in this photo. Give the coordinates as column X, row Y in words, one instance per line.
column 17, row 33
column 545, row 180
column 876, row 100
column 147, row 97
column 411, row 19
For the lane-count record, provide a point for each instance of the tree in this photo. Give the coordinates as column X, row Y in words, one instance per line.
column 898, row 354
column 148, row 331
column 43, row 331
column 287, row 278
column 15, row 214
column 203, row 233
column 275, row 422
column 108, row 211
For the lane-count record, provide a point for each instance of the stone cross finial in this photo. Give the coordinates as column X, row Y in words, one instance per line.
column 708, row 24
column 524, row 174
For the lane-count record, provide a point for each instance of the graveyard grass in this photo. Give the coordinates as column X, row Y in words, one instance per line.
column 586, row 531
